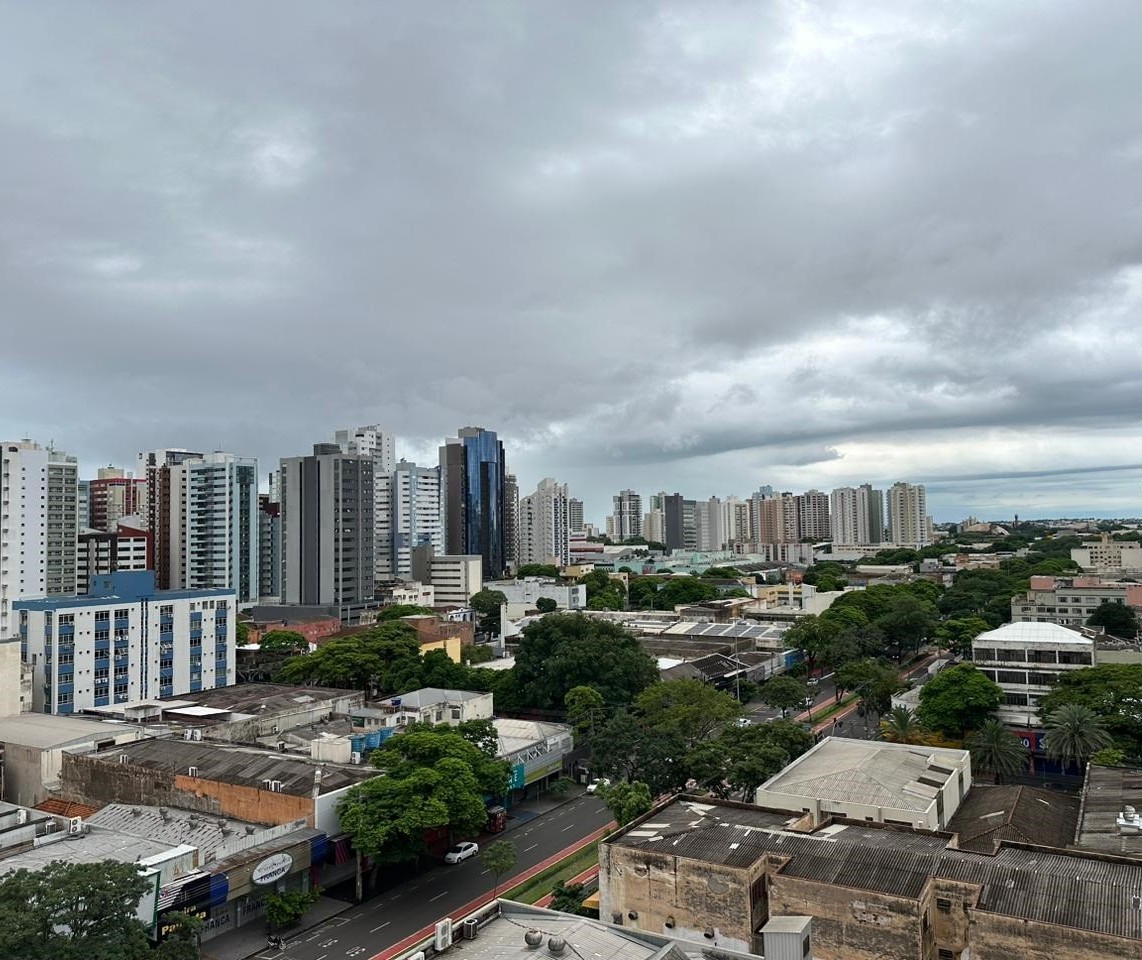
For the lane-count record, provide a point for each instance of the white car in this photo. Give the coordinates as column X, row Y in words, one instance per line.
column 461, row 852
column 594, row 785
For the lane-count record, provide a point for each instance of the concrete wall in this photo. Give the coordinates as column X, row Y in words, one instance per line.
column 87, row 780
column 690, row 896
column 851, row 924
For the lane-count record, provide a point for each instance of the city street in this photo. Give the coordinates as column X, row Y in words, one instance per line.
column 371, row 927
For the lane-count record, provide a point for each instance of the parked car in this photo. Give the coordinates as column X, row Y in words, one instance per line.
column 743, row 721
column 594, row 785
column 461, row 852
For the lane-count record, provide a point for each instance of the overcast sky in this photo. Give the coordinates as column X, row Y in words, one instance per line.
column 699, row 247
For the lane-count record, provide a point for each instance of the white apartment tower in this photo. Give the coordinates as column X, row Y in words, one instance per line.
column 908, row 515
column 414, row 519
column 219, row 502
column 711, row 522
column 575, row 514
column 39, row 525
column 844, row 523
column 626, row 516
column 544, row 527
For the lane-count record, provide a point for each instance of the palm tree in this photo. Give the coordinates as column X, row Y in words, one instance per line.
column 901, row 725
column 1074, row 732
column 997, row 750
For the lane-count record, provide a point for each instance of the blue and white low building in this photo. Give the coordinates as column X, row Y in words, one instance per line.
column 126, row 641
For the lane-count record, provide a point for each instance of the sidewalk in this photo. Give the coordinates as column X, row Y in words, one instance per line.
column 251, row 938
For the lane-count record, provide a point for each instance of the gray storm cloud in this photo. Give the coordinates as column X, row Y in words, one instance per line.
column 689, row 246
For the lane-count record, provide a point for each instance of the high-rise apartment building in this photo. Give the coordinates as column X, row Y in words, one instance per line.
column 813, row 516
column 327, row 528
column 414, row 515
column 511, row 521
column 735, row 521
column 544, row 528
column 126, row 641
column 908, row 522
column 710, row 521
column 39, row 525
column 680, row 522
column 102, row 552
column 473, row 491
column 115, row 494
column 626, row 515
column 269, row 547
column 165, row 503
column 871, row 501
column 372, row 441
column 219, row 502
column 380, row 446
column 844, row 522
column 575, row 514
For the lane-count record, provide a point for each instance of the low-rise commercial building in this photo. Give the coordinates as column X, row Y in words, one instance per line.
column 454, row 578
column 896, row 783
column 33, row 746
column 1026, row 659
column 427, row 705
column 259, row 786
column 522, row 595
column 714, row 873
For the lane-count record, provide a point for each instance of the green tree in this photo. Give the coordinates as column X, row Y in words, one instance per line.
column 545, row 570
column 958, row 699
column 905, row 626
column 683, row 590
column 568, row 898
column 73, row 912
column 283, row 641
column 603, row 592
column 383, row 661
column 688, row 709
column 1074, row 732
column 740, row 759
column 956, row 634
column 586, row 711
column 487, row 605
column 546, row 605
column 784, row 693
column 997, row 750
column 476, row 653
column 628, row 801
column 285, row 909
column 1117, row 619
column 182, row 937
column 643, row 592
column 812, row 635
column 901, row 725
column 1110, row 692
column 499, row 857
column 1108, row 757
column 873, row 681
column 433, row 778
column 566, row 650
column 242, row 633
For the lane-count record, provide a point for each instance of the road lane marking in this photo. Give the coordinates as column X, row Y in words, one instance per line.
column 484, row 873
column 569, row 826
column 532, row 847
column 381, row 927
column 438, row 896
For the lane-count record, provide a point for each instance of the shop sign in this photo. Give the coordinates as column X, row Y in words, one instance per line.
column 272, row 869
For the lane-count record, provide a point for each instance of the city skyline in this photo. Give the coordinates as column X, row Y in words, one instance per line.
column 804, row 245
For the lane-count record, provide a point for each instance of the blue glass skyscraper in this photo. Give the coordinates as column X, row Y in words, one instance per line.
column 472, row 474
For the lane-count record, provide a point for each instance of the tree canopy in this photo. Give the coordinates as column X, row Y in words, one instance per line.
column 79, row 911
column 957, row 699
column 628, row 801
column 784, row 692
column 1111, row 692
column 996, row 750
column 283, row 641
column 487, row 605
column 433, row 778
column 874, row 682
column 383, row 660
column 603, row 592
column 548, row 570
column 398, row 610
column 1118, row 619
column 546, row 605
column 566, row 650
column 687, row 709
